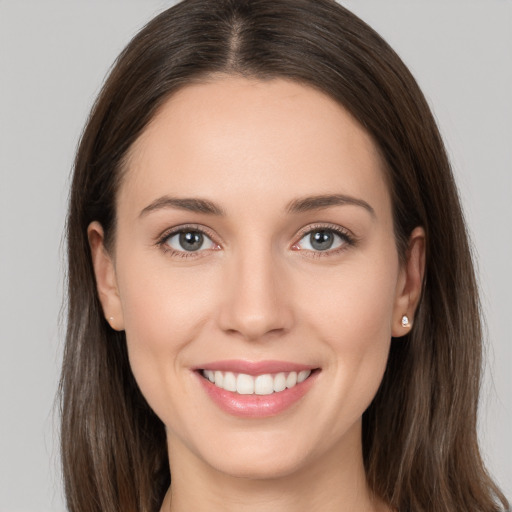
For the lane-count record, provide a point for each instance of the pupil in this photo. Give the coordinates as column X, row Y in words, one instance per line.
column 191, row 240
column 321, row 240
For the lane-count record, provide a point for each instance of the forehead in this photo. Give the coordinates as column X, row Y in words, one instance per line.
column 262, row 140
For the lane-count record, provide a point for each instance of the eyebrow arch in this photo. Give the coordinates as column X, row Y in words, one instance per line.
column 325, row 201
column 190, row 204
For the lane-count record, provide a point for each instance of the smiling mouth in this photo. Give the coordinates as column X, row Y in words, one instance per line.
column 264, row 384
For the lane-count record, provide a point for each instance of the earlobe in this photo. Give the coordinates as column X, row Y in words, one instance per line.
column 409, row 285
column 106, row 282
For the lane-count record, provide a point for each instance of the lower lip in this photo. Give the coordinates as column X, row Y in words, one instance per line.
column 256, row 406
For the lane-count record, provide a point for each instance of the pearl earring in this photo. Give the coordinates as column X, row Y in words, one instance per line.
column 405, row 321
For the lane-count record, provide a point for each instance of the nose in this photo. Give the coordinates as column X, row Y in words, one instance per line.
column 255, row 304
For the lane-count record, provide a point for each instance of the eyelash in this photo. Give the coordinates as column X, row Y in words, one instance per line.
column 162, row 241
column 348, row 239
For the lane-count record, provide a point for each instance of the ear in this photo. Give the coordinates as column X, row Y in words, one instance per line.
column 409, row 285
column 105, row 274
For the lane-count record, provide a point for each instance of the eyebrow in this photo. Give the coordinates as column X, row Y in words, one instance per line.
column 300, row 205
column 189, row 204
column 325, row 201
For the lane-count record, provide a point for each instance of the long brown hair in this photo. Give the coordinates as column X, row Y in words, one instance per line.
column 419, row 434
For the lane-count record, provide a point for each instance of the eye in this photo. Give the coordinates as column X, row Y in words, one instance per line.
column 189, row 240
column 323, row 240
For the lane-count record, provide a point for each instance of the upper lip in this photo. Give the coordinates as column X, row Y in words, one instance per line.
column 254, row 367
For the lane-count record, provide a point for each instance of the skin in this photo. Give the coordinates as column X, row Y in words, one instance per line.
column 258, row 291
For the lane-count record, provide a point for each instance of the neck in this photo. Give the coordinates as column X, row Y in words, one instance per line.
column 335, row 482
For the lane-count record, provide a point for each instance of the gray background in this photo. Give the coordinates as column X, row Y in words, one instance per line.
column 53, row 58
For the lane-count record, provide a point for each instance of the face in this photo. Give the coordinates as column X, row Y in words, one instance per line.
column 255, row 249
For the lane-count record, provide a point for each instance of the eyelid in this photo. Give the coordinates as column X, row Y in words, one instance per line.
column 184, row 227
column 347, row 235
column 163, row 237
column 343, row 232
column 326, row 226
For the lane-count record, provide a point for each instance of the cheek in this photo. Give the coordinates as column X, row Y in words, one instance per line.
column 164, row 311
column 352, row 316
column 356, row 298
column 162, row 303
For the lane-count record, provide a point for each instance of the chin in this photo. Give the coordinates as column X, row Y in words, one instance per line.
column 260, row 468
column 260, row 459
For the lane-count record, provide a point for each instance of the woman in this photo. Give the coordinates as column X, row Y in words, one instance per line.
column 271, row 296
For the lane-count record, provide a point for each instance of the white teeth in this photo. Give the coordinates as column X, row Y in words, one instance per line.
column 229, row 383
column 291, row 380
column 244, row 384
column 265, row 384
column 280, row 382
column 301, row 377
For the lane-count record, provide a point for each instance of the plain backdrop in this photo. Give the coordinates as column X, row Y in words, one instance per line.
column 54, row 56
